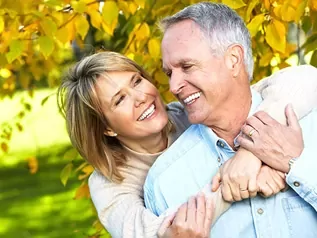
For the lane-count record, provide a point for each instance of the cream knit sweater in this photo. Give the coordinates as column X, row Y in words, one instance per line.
column 120, row 207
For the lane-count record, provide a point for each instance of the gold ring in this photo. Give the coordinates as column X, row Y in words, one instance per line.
column 251, row 132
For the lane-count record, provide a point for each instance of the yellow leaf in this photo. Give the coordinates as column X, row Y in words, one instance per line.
column 62, row 35
column 267, row 4
column 82, row 192
column 266, row 59
column 95, row 18
column 1, row 24
column 82, row 26
column 300, row 10
column 142, row 31
column 276, row 35
column 313, row 4
column 132, row 7
column 5, row 73
column 46, row 45
column 255, row 24
column 66, row 173
column 16, row 49
column 234, row 4
column 161, row 78
column 110, row 12
column 88, row 169
column 124, row 7
column 140, row 3
column 33, row 165
column 79, row 6
column 251, row 6
column 278, row 11
column 154, row 48
column 49, row 26
column 289, row 12
column 168, row 97
column 4, row 147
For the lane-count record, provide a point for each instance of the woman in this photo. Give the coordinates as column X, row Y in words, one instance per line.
column 119, row 124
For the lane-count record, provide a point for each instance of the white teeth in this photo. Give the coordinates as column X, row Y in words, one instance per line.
column 147, row 113
column 191, row 98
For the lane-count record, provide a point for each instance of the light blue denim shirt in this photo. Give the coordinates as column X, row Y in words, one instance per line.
column 191, row 162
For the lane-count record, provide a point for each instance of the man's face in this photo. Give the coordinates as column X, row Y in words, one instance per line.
column 201, row 81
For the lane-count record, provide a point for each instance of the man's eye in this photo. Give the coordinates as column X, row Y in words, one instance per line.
column 119, row 100
column 137, row 81
column 187, row 67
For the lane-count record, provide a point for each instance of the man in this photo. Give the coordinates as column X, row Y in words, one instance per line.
column 207, row 54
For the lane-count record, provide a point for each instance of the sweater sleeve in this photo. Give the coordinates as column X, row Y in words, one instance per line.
column 295, row 85
column 121, row 209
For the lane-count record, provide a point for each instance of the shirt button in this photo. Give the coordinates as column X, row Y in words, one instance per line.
column 222, row 144
column 260, row 211
column 219, row 159
column 296, row 184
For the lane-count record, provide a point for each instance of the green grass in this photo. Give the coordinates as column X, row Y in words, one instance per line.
column 38, row 205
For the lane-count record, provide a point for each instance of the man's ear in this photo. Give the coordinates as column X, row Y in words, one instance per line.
column 110, row 132
column 235, row 59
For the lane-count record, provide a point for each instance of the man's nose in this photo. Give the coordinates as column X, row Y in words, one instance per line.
column 139, row 97
column 177, row 83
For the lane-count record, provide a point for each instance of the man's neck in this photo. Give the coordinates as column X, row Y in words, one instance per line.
column 234, row 118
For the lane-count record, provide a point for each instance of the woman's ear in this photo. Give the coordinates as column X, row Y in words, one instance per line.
column 110, row 132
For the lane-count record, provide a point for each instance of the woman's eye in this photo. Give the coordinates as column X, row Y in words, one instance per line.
column 137, row 81
column 119, row 100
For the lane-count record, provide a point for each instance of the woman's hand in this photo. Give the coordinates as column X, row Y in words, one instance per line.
column 193, row 219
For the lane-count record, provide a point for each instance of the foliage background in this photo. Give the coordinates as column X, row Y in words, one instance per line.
column 40, row 39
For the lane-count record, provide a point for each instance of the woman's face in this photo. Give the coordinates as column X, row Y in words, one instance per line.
column 132, row 106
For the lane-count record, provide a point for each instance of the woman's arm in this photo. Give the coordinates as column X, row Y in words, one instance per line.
column 295, row 85
column 121, row 209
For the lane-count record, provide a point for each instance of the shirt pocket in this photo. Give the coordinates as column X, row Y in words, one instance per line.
column 301, row 217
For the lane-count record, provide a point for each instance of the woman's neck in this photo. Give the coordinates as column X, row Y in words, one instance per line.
column 149, row 145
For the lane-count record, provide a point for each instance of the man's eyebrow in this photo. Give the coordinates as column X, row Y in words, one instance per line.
column 131, row 80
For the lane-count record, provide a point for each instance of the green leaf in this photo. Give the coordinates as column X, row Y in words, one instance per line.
column 16, row 49
column 46, row 45
column 66, row 173
column 82, row 26
column 110, row 12
column 311, row 43
column 313, row 60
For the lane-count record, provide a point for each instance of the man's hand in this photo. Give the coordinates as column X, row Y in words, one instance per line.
column 193, row 219
column 272, row 142
column 238, row 176
column 270, row 181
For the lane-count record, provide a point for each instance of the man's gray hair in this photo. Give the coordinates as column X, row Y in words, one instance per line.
column 221, row 25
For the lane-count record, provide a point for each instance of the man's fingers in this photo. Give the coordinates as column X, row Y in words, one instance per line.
column 216, row 182
column 265, row 189
column 167, row 222
column 291, row 116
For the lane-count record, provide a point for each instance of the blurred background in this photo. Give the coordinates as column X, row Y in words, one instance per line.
column 43, row 181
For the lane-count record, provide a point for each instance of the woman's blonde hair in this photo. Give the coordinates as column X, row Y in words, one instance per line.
column 85, row 121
